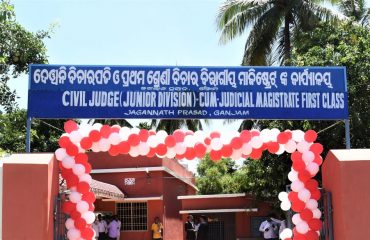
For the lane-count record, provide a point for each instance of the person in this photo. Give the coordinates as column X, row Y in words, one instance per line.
column 269, row 229
column 119, row 227
column 95, row 227
column 157, row 229
column 190, row 228
column 203, row 229
column 102, row 228
column 113, row 229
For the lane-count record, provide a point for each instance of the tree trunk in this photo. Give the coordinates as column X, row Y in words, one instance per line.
column 287, row 49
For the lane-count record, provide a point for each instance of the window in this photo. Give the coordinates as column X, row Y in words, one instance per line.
column 133, row 216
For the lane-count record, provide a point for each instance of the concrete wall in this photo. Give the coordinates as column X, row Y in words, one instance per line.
column 346, row 174
column 30, row 182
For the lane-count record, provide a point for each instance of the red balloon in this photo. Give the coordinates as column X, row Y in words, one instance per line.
column 115, row 128
column 87, row 233
column 256, row 154
column 69, row 207
column 134, row 139
column 170, row 141
column 105, row 131
column 151, row 153
column 255, row 133
column 316, row 194
column 180, row 156
column 161, row 149
column 207, row 141
column 296, row 156
column 91, row 207
column 72, row 180
column 64, row 142
column 143, row 135
column 200, row 150
column 151, row 132
column 179, row 135
column 306, row 214
column 81, row 158
column 86, row 143
column 299, row 165
column 315, row 224
column 190, row 153
column 312, row 235
column 83, row 187
column 317, row 148
column 124, row 147
column 310, row 136
column 215, row 134
column 304, row 175
column 236, row 143
column 318, row 159
column 80, row 223
column 311, row 185
column 273, row 147
column 87, row 167
column 70, row 126
column 89, row 197
column 246, row 136
column 298, row 206
column 299, row 236
column 293, row 196
column 227, row 151
column 75, row 215
column 114, row 150
column 215, row 155
column 94, row 135
column 72, row 149
column 283, row 137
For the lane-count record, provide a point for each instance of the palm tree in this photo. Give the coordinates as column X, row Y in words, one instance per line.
column 272, row 22
column 356, row 10
column 170, row 125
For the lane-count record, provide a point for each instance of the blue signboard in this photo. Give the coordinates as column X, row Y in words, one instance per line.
column 172, row 92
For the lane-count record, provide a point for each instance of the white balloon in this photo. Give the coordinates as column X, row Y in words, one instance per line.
column 144, row 149
column 274, row 134
column 296, row 219
column 283, row 196
column 104, row 144
column 97, row 126
column 95, row 147
column 312, row 204
column 85, row 178
column 180, row 148
column 161, row 136
column 303, row 146
column 285, row 205
column 290, row 146
column 281, row 149
column 256, row 142
column 236, row 155
column 297, row 135
column 297, row 186
column 189, row 141
column 293, row 175
column 304, row 194
column 124, row 133
column 226, row 137
column 60, row 153
column 316, row 213
column 265, row 135
column 302, row 227
column 246, row 149
column 199, row 136
column 286, row 233
column 70, row 223
column 114, row 138
column 171, row 153
column 216, row 144
column 313, row 168
column 88, row 216
column 84, row 129
column 134, row 151
column 73, row 234
column 135, row 130
column 68, row 162
column 152, row 141
column 78, row 169
column 75, row 197
column 82, row 206
column 75, row 137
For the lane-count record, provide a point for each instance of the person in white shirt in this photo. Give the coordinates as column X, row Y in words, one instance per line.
column 95, row 228
column 102, row 228
column 119, row 227
column 269, row 229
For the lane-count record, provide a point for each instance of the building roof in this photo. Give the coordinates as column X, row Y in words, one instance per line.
column 100, row 189
column 351, row 154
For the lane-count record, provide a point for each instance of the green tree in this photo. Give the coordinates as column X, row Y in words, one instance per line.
column 170, row 125
column 272, row 22
column 18, row 49
column 355, row 9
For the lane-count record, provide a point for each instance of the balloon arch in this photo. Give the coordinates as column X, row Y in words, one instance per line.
column 184, row 144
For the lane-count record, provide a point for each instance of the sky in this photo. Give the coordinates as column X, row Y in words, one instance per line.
column 113, row 32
